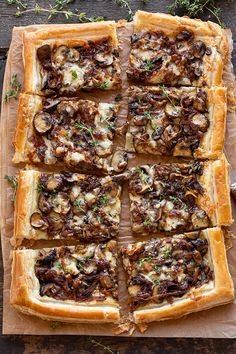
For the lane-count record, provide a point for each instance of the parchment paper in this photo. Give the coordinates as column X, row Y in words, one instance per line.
column 215, row 323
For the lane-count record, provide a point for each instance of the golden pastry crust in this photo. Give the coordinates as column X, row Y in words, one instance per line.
column 70, row 35
column 92, row 197
column 217, row 292
column 208, row 32
column 170, row 197
column 69, row 121
column 159, row 118
column 25, row 297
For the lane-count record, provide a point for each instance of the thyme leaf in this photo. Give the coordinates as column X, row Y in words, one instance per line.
column 193, row 8
column 13, row 181
column 14, row 91
column 126, row 5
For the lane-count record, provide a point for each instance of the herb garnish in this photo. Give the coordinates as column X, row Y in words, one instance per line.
column 148, row 115
column 14, row 184
column 14, row 91
column 118, row 97
column 146, row 259
column 193, row 8
column 148, row 65
column 101, row 345
column 104, row 85
column 126, row 5
column 166, row 94
column 103, row 200
column 74, row 74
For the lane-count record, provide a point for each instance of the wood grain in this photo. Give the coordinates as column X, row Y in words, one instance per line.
column 73, row 344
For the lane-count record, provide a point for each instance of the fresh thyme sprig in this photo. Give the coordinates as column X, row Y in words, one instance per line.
column 14, row 184
column 193, row 8
column 166, row 94
column 14, row 90
column 101, row 345
column 126, row 4
column 17, row 2
column 55, row 324
column 57, row 9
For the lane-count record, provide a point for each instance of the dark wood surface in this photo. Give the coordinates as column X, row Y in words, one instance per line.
column 81, row 344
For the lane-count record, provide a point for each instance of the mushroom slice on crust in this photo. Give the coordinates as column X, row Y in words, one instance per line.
column 37, row 221
column 104, row 59
column 54, row 182
column 42, row 122
column 61, row 203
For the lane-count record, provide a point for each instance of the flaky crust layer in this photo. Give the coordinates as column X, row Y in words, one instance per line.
column 24, row 296
column 212, row 34
column 69, row 34
column 198, row 299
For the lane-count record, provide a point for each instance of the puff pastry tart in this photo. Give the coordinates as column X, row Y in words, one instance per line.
column 170, row 277
column 63, row 59
column 66, row 206
column 184, row 121
column 71, row 284
column 176, row 51
column 67, row 131
column 189, row 196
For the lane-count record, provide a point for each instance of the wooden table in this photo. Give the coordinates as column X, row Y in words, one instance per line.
column 81, row 344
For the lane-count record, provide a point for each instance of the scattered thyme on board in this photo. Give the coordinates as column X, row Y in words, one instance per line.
column 57, row 9
column 15, row 88
column 194, row 8
column 13, row 181
column 107, row 348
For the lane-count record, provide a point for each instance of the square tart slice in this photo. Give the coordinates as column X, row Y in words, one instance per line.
column 186, row 121
column 176, row 197
column 63, row 59
column 176, row 51
column 171, row 277
column 69, row 284
column 76, row 133
column 66, row 206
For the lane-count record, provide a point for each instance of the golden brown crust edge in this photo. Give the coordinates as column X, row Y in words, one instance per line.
column 23, row 297
column 25, row 204
column 221, row 185
column 28, row 106
column 61, row 34
column 222, row 293
column 212, row 143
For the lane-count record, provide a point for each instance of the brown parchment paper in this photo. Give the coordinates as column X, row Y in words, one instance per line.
column 215, row 323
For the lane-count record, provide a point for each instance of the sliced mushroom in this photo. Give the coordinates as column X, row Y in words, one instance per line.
column 170, row 133
column 197, row 256
column 42, row 122
column 119, row 161
column 60, row 54
column 184, row 35
column 200, row 104
column 199, row 49
column 54, row 182
column 44, row 56
column 104, row 59
column 200, row 219
column 182, row 149
column 43, row 203
column 90, row 268
column 139, row 120
column 106, row 281
column 200, row 121
column 66, row 109
column 173, row 111
column 37, row 221
column 61, row 203
column 55, row 222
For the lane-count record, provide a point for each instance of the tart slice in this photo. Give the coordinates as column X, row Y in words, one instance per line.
column 66, row 206
column 171, row 277
column 184, row 121
column 176, row 197
column 176, row 51
column 63, row 59
column 74, row 132
column 69, row 284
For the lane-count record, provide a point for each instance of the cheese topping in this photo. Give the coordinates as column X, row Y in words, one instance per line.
column 165, row 269
column 165, row 198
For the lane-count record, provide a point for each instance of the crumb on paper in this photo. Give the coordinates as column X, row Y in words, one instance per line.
column 125, row 324
column 121, row 23
column 142, row 327
column 228, row 236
